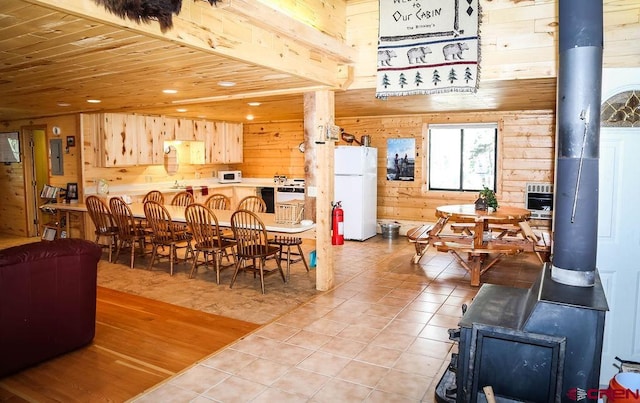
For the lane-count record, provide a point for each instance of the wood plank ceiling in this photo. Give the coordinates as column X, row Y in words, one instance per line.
column 53, row 62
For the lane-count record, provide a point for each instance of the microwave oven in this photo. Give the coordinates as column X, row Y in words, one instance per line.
column 229, row 176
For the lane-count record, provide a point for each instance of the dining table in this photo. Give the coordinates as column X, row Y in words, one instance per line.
column 305, row 230
column 484, row 235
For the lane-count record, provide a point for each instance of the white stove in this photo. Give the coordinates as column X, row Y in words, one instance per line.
column 291, row 189
column 296, row 183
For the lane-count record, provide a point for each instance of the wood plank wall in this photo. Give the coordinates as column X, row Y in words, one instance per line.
column 12, row 207
column 526, row 154
column 12, row 199
column 271, row 148
column 518, row 38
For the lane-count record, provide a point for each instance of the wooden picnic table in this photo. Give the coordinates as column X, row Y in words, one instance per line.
column 478, row 241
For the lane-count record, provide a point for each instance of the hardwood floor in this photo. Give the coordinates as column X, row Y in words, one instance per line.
column 139, row 342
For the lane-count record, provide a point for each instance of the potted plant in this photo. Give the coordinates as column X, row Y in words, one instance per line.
column 489, row 198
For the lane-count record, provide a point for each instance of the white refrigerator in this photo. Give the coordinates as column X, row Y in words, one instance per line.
column 355, row 185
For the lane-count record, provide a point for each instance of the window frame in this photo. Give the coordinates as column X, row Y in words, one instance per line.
column 461, row 126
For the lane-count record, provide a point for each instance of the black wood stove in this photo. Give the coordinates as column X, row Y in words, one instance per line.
column 541, row 344
column 544, row 344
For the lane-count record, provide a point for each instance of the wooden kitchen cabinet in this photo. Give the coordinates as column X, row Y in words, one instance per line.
column 127, row 140
column 227, row 191
column 201, row 129
column 117, row 140
column 178, row 129
column 150, row 140
column 233, row 143
column 240, row 192
column 223, row 143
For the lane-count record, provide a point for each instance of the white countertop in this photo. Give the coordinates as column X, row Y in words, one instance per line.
column 168, row 187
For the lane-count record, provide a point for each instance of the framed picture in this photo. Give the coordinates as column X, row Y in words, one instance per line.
column 72, row 191
column 49, row 234
column 401, row 159
column 71, row 141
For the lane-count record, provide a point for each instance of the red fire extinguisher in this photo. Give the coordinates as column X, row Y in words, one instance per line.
column 337, row 227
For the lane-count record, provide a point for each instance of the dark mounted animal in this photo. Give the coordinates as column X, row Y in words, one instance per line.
column 146, row 10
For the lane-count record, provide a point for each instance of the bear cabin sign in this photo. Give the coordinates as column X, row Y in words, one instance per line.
column 427, row 47
column 146, row 10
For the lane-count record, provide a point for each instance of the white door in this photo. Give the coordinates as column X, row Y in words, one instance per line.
column 619, row 244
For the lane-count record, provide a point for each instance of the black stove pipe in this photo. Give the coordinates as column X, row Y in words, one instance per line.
column 577, row 142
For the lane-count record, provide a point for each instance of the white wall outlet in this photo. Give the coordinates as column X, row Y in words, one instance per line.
column 312, row 191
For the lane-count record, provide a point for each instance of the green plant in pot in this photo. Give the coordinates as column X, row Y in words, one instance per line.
column 487, row 199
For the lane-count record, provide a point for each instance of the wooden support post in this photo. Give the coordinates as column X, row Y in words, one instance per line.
column 318, row 115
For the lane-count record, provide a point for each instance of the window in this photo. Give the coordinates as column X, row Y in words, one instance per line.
column 462, row 157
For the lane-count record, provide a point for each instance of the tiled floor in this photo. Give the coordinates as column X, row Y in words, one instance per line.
column 379, row 336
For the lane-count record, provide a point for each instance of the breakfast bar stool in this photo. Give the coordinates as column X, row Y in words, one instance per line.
column 287, row 242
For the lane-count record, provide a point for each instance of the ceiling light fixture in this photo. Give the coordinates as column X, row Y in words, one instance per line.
column 170, row 91
column 226, row 83
column 249, row 117
column 64, row 104
column 254, row 103
column 181, row 110
column 94, row 101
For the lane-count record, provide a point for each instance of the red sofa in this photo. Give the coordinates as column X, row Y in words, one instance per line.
column 47, row 300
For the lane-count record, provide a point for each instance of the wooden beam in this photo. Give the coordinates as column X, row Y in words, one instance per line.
column 319, row 111
column 225, row 33
column 274, row 21
column 246, row 95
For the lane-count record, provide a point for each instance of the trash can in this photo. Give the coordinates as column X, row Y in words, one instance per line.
column 390, row 230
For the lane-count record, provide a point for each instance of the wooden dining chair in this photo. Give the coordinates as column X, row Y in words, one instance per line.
column 253, row 203
column 253, row 246
column 203, row 225
column 218, row 201
column 129, row 231
column 182, row 199
column 103, row 222
column 154, row 195
column 164, row 232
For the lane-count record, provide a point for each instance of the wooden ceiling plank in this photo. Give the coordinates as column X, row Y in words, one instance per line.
column 190, row 34
column 62, row 44
column 16, row 11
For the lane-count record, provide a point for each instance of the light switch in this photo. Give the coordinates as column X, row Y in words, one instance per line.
column 312, row 191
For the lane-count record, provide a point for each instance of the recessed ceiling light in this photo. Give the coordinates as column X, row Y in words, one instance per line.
column 169, row 91
column 181, row 110
column 253, row 103
column 226, row 83
column 249, row 117
column 94, row 101
column 64, row 104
